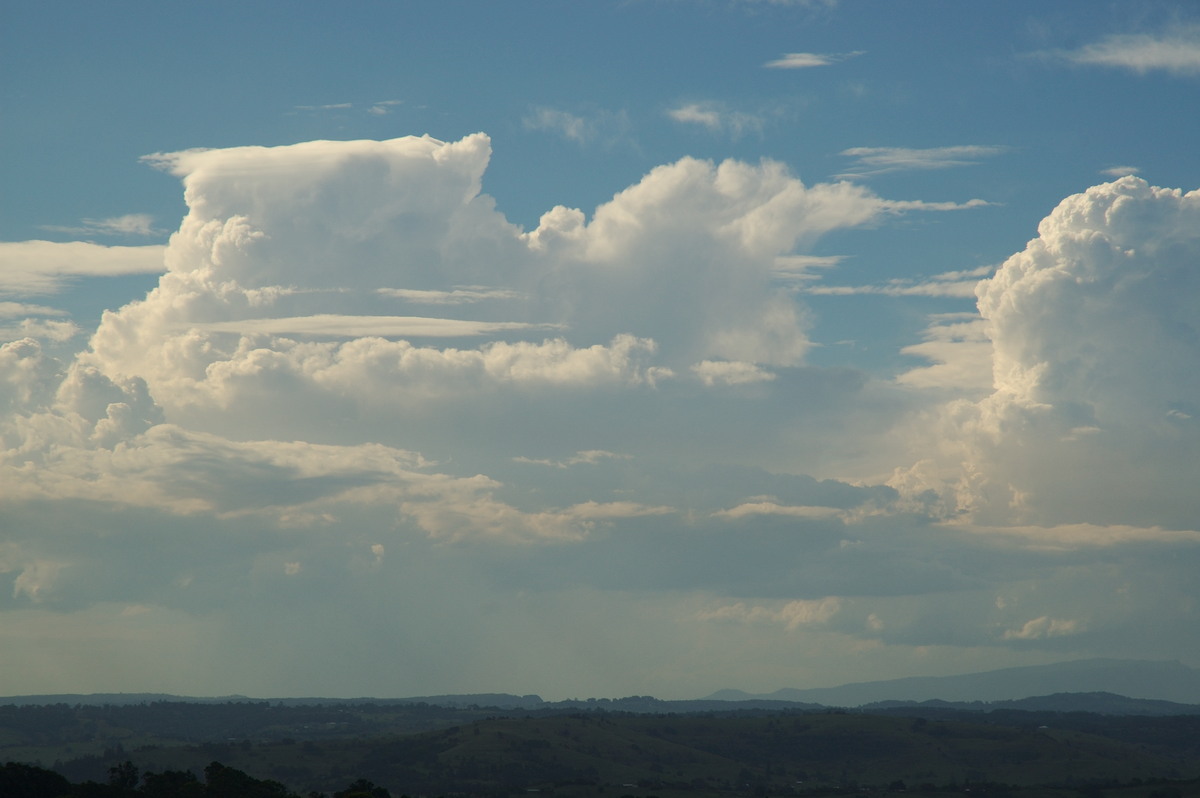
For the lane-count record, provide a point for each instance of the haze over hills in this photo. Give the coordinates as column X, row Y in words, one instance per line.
column 1145, row 679
column 1108, row 686
column 936, row 732
column 498, row 700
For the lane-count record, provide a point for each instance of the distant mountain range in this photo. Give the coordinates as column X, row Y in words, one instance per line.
column 1143, row 679
column 497, row 700
column 1103, row 686
column 1095, row 703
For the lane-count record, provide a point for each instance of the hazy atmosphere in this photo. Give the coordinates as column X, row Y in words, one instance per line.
column 594, row 348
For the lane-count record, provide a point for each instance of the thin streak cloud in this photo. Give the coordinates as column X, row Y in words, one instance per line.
column 872, row 161
column 582, row 128
column 460, row 295
column 1176, row 53
column 131, row 224
column 807, row 60
column 46, row 267
column 360, row 326
column 717, row 119
column 959, row 284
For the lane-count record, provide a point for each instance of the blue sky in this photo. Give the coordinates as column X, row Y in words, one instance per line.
column 594, row 349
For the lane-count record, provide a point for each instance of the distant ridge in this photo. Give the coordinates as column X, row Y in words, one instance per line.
column 498, row 700
column 1144, row 679
column 1095, row 703
column 504, row 702
column 114, row 699
column 1105, row 686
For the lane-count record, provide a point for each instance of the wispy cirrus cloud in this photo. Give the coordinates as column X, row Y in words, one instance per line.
column 326, row 107
column 459, row 295
column 813, row 4
column 717, row 119
column 131, row 224
column 723, row 372
column 871, row 161
column 1176, row 52
column 377, row 108
column 326, row 324
column 9, row 310
column 767, row 505
column 587, row 457
column 1073, row 537
column 383, row 107
column 564, row 123
column 42, row 267
column 807, row 60
column 792, row 615
column 579, row 128
column 947, row 284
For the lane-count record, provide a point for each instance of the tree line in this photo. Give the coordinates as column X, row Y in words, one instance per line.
column 19, row 780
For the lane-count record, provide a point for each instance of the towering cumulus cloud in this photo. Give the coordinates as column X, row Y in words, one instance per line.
column 366, row 296
column 1096, row 337
column 375, row 273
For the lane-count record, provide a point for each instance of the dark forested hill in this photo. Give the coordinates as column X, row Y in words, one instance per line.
column 427, row 750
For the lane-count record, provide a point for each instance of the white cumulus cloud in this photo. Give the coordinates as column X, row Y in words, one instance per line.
column 286, row 244
column 1095, row 368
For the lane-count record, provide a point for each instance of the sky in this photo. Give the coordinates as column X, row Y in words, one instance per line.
column 594, row 349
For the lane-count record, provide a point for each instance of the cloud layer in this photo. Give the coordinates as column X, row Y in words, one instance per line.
column 358, row 385
column 44, row 267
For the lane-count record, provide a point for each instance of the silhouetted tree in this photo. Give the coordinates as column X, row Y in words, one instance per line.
column 123, row 777
column 172, row 784
column 363, row 789
column 28, row 781
column 226, row 782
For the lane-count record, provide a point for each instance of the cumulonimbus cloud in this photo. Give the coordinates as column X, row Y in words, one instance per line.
column 274, row 316
column 1111, row 277
column 285, row 244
